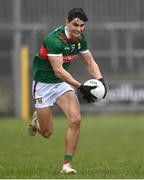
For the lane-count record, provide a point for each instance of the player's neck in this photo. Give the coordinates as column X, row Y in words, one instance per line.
column 70, row 37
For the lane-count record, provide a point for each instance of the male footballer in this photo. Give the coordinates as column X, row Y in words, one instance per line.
column 54, row 85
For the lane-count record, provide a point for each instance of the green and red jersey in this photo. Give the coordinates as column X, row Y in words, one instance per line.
column 57, row 43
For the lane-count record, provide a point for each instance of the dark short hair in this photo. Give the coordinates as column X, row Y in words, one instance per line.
column 77, row 13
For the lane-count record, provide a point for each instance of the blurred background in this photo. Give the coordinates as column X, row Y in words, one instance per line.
column 115, row 35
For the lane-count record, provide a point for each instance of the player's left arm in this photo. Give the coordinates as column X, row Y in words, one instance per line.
column 93, row 67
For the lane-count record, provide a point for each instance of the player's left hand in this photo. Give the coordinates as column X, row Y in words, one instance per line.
column 103, row 82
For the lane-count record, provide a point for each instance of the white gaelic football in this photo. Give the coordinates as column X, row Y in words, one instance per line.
column 99, row 91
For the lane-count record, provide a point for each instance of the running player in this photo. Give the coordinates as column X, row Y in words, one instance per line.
column 54, row 85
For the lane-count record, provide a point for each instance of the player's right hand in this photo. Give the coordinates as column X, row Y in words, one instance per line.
column 85, row 90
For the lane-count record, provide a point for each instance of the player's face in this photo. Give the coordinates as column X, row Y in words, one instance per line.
column 75, row 27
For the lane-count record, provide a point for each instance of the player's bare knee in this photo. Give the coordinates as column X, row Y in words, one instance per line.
column 75, row 121
column 47, row 133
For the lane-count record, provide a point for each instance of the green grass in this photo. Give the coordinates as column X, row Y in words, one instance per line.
column 110, row 147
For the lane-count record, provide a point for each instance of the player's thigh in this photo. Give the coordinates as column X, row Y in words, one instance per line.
column 69, row 104
column 45, row 118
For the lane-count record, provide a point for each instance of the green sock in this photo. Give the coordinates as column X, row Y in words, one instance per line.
column 67, row 158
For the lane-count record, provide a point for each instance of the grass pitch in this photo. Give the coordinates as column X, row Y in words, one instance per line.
column 110, row 147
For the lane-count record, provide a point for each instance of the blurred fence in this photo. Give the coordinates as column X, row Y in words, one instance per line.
column 115, row 32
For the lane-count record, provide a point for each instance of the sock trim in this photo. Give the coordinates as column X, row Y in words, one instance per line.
column 68, row 157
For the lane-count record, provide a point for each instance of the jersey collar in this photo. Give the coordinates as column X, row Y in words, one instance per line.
column 72, row 39
column 66, row 32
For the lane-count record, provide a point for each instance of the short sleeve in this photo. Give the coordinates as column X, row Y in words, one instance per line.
column 53, row 46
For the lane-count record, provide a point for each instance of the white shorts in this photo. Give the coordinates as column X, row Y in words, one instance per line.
column 45, row 95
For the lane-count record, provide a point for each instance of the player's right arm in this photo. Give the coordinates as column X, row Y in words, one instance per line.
column 60, row 72
column 54, row 47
